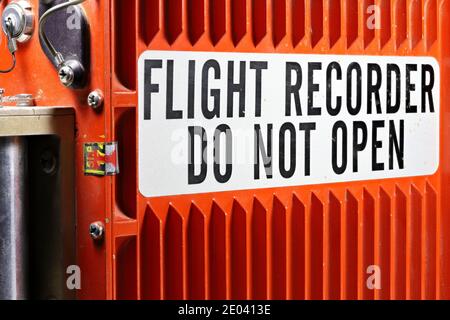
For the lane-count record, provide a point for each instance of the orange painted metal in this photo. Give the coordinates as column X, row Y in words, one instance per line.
column 308, row 242
column 34, row 74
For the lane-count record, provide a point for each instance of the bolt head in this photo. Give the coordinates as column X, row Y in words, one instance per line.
column 66, row 75
column 95, row 99
column 97, row 230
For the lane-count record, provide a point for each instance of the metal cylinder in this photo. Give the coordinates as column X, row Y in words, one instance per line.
column 13, row 239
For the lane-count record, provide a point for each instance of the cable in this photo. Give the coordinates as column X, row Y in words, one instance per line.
column 13, row 64
column 57, row 56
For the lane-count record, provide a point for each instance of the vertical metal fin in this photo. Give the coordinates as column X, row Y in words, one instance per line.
column 238, row 252
column 173, row 256
column 196, row 239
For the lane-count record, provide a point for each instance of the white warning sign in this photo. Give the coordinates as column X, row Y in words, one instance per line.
column 212, row 121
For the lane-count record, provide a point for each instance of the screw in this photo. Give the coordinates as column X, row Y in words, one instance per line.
column 97, row 230
column 66, row 75
column 95, row 99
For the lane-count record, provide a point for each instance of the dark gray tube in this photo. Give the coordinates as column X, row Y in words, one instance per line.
column 13, row 240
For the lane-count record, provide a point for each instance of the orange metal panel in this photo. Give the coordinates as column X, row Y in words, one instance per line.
column 311, row 242
column 308, row 242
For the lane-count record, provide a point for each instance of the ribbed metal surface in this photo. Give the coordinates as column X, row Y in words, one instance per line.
column 308, row 245
column 289, row 243
column 288, row 23
column 343, row 26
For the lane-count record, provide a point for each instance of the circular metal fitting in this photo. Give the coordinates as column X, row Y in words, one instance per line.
column 24, row 100
column 97, row 230
column 95, row 99
column 21, row 16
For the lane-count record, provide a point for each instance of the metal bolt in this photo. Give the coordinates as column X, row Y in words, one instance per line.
column 24, row 100
column 66, row 75
column 95, row 99
column 97, row 230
